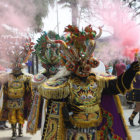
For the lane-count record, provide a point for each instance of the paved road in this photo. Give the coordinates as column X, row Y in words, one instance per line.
column 6, row 134
column 135, row 131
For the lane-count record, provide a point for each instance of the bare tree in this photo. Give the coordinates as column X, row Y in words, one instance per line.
column 42, row 10
column 78, row 7
column 73, row 4
column 135, row 5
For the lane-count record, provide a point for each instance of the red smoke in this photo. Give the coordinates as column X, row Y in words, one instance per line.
column 126, row 32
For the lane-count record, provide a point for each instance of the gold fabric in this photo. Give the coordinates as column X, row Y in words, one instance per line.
column 85, row 97
column 16, row 88
column 54, row 128
column 14, row 92
column 15, row 104
column 16, row 116
column 57, row 89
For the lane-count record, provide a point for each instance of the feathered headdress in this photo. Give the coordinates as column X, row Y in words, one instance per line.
column 48, row 51
column 15, row 50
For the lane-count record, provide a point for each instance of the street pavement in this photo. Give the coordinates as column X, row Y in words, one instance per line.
column 134, row 131
column 6, row 134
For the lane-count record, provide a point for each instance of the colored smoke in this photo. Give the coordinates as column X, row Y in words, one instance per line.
column 17, row 20
column 126, row 32
column 16, row 14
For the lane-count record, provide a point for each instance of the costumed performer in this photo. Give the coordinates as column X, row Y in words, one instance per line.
column 48, row 53
column 16, row 90
column 134, row 95
column 82, row 105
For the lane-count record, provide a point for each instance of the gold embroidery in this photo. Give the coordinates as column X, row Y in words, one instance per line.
column 49, row 91
column 86, row 96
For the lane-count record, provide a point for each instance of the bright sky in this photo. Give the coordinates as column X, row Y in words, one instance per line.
column 50, row 22
column 64, row 19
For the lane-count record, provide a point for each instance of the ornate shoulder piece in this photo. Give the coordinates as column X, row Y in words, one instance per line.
column 57, row 89
column 103, row 80
column 38, row 79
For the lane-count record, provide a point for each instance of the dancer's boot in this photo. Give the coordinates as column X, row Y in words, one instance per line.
column 20, row 133
column 131, row 118
column 14, row 134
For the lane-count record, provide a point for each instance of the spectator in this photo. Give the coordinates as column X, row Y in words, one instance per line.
column 120, row 68
column 114, row 69
column 110, row 68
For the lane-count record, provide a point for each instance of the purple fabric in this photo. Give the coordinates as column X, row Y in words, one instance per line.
column 137, row 83
column 109, row 105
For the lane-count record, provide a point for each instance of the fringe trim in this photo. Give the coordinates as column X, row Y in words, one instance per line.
column 59, row 92
column 104, row 81
column 101, row 82
column 120, row 111
column 82, row 124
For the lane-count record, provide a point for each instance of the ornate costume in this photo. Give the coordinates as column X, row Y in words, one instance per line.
column 17, row 92
column 82, row 105
column 134, row 95
column 48, row 53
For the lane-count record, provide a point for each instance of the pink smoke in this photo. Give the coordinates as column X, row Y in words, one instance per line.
column 126, row 32
column 17, row 19
column 16, row 49
column 16, row 14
